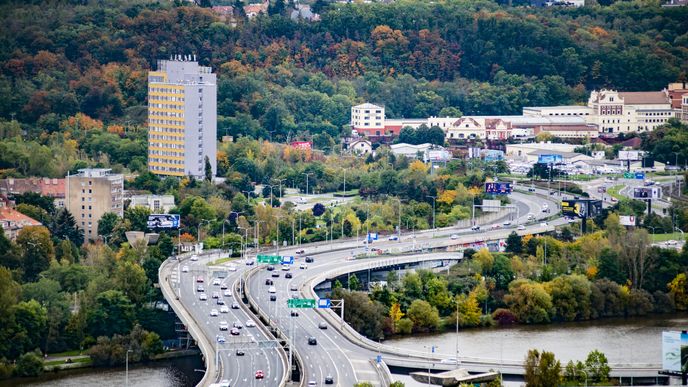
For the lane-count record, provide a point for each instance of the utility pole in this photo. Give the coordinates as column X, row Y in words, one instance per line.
column 307, row 174
column 434, row 198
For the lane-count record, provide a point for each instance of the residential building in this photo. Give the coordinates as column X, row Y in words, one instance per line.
column 158, row 204
column 253, row 10
column 424, row 152
column 54, row 188
column 368, row 119
column 360, row 146
column 182, row 118
column 545, row 111
column 90, row 194
column 683, row 115
column 13, row 221
column 622, row 112
column 303, row 12
column 302, row 145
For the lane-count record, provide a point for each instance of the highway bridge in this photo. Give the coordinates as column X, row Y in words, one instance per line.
column 316, row 341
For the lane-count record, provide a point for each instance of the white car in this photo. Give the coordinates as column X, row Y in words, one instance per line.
column 231, row 268
column 220, row 339
column 250, row 324
column 224, row 326
column 185, row 269
column 449, row 361
column 217, row 282
column 224, row 309
column 272, row 289
column 454, row 236
column 671, row 242
column 203, row 297
column 543, row 224
column 227, row 293
column 213, row 312
column 194, row 257
column 303, row 266
column 521, row 227
column 285, row 267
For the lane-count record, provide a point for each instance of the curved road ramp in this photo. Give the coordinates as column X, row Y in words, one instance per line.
column 454, row 378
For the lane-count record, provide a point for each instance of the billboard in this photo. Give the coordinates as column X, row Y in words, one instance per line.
column 163, row 221
column 675, row 351
column 498, row 188
column 627, row 220
column 631, row 155
column 549, row 159
column 647, row 192
column 581, row 208
column 491, row 205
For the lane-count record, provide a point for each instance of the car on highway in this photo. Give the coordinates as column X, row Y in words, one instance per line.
column 199, row 279
column 275, row 274
column 293, row 288
column 232, row 268
column 614, row 200
column 250, row 324
column 249, row 262
column 238, row 325
column 294, row 313
column 551, row 193
column 309, row 260
column 194, row 257
column 223, row 286
column 260, row 374
column 272, row 289
column 203, row 297
column 671, row 242
column 285, row 267
column 475, row 228
column 200, row 289
column 224, row 309
column 224, row 325
column 531, row 216
column 393, row 238
column 273, row 297
column 451, row 360
column 234, row 332
column 227, row 293
column 312, row 383
column 288, row 275
column 216, row 295
column 300, row 251
column 303, row 266
column 496, row 226
column 217, row 282
column 185, row 269
column 329, row 379
column 322, row 325
column 521, row 227
column 213, row 312
column 268, row 281
column 239, row 352
column 312, row 340
column 270, row 268
column 543, row 224
column 235, row 305
column 531, row 189
column 220, row 339
column 507, row 223
column 545, row 207
column 454, row 236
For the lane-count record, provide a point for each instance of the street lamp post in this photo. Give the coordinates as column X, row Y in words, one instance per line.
column 257, row 223
column 126, row 372
column 307, row 174
column 399, row 221
column 223, row 225
column 199, row 228
column 280, row 185
column 434, row 198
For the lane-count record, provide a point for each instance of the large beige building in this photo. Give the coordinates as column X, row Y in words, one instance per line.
column 90, row 194
column 182, row 118
column 622, row 112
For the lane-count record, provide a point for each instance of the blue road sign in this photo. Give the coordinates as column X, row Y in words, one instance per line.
column 640, row 175
column 324, row 303
column 287, row 260
column 379, row 359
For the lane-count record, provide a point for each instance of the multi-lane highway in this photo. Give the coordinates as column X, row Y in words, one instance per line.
column 324, row 352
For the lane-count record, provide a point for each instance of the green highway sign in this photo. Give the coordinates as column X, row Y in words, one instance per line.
column 269, row 259
column 629, row 175
column 301, row 303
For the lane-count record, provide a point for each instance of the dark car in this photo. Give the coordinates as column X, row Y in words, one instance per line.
column 294, row 313
column 309, row 259
column 240, row 352
column 531, row 189
column 270, row 268
column 268, row 281
column 273, row 297
column 322, row 325
column 275, row 274
column 329, row 379
column 312, row 341
column 288, row 275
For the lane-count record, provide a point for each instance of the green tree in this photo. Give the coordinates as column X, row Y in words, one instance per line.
column 130, row 279
column 529, row 301
column 542, row 369
column 514, row 243
column 354, row 283
column 597, row 365
column 208, row 170
column 138, row 216
column 38, row 250
column 107, row 223
column 570, row 297
column 64, row 227
column 113, row 313
column 425, row 317
column 32, row 324
column 29, row 364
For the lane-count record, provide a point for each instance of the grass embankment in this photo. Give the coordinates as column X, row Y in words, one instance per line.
column 614, row 191
column 666, row 237
column 82, row 360
column 222, row 260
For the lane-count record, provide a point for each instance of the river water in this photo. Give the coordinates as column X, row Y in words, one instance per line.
column 170, row 373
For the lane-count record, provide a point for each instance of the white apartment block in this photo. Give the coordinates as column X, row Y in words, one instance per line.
column 368, row 118
column 90, row 194
column 683, row 116
column 158, row 204
column 182, row 118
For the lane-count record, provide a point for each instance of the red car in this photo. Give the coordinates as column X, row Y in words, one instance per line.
column 260, row 374
column 199, row 279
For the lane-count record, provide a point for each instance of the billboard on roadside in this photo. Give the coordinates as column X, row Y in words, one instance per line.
column 491, row 205
column 627, row 220
column 675, row 351
column 163, row 221
column 630, row 155
column 581, row 208
column 549, row 159
column 498, row 188
column 647, row 192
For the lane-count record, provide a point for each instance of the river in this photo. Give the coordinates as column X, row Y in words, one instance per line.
column 633, row 340
column 169, row 373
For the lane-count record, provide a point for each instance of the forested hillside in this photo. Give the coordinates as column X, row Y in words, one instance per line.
column 277, row 76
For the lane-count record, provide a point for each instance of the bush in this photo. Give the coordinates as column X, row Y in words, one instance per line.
column 504, row 317
column 6, row 369
column 404, row 326
column 29, row 364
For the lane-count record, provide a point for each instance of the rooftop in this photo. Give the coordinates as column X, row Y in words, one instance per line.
column 368, row 105
column 644, row 97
